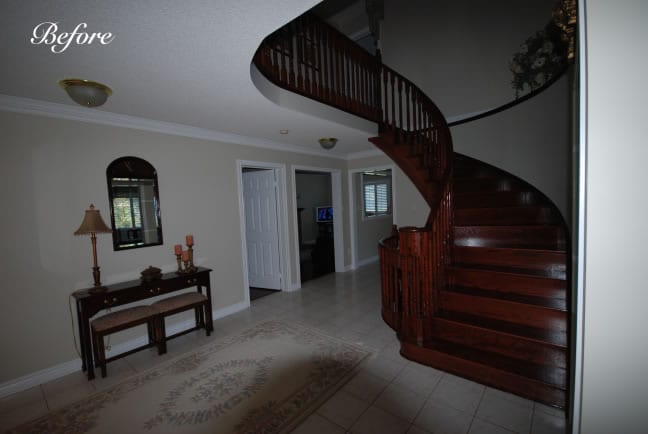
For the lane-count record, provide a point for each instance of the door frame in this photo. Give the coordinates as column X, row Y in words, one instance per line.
column 353, row 229
column 282, row 220
column 338, row 219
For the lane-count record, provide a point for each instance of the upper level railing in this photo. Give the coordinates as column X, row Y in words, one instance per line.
column 309, row 57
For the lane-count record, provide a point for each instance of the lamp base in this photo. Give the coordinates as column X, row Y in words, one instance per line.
column 97, row 289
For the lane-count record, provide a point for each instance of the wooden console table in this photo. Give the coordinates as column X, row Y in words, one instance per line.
column 90, row 303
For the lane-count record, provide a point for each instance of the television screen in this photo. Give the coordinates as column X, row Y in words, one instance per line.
column 324, row 214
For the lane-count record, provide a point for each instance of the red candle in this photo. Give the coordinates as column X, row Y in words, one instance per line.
column 190, row 241
column 178, row 249
column 185, row 255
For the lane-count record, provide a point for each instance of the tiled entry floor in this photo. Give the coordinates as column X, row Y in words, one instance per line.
column 389, row 394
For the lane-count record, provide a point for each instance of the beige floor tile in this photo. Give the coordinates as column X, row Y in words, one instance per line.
column 22, row 407
column 480, row 426
column 421, row 381
column 443, row 419
column 343, row 409
column 416, row 430
column 383, row 367
column 365, row 386
column 458, row 393
column 545, row 423
column 316, row 424
column 400, row 401
column 66, row 390
column 378, row 421
column 506, row 410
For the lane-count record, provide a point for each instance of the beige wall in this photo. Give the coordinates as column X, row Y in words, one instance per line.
column 410, row 208
column 369, row 231
column 53, row 169
column 458, row 53
column 531, row 141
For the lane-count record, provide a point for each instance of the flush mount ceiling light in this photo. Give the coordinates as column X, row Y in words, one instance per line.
column 86, row 92
column 327, row 142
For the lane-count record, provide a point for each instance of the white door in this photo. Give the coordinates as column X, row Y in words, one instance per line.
column 261, row 230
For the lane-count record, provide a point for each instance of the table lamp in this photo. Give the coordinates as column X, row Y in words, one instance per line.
column 93, row 224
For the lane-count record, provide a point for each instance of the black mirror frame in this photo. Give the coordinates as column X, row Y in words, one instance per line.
column 132, row 167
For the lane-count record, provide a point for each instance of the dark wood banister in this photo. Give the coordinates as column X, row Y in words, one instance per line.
column 311, row 58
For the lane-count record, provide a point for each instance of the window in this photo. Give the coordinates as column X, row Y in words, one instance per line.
column 126, row 208
column 376, row 193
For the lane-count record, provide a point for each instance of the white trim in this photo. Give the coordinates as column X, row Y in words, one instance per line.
column 353, row 230
column 52, row 373
column 579, row 285
column 338, row 219
column 96, row 116
column 368, row 261
column 282, row 221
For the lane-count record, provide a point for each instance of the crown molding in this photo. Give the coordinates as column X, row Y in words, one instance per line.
column 81, row 114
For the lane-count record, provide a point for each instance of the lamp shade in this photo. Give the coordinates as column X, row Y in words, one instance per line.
column 86, row 92
column 92, row 223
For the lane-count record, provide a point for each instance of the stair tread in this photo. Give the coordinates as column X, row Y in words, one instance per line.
column 545, row 237
column 557, row 338
column 548, row 302
column 515, row 257
column 550, row 375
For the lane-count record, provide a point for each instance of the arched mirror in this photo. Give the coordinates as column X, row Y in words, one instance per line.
column 134, row 203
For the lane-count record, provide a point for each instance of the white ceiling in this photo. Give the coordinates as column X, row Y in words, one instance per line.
column 180, row 62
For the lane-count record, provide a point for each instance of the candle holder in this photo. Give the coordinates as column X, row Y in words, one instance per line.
column 179, row 259
column 191, row 263
column 185, row 258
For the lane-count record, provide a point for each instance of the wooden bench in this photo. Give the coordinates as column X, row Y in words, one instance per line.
column 180, row 303
column 121, row 320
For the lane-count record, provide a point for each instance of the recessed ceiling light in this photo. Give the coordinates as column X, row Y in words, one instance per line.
column 284, row 131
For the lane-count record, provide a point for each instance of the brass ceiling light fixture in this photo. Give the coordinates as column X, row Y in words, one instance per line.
column 328, row 142
column 87, row 93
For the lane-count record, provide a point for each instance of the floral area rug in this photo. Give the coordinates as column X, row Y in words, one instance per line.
column 266, row 379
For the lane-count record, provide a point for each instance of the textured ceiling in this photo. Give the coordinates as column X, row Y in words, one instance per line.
column 185, row 62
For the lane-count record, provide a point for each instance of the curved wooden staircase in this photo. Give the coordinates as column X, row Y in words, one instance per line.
column 482, row 290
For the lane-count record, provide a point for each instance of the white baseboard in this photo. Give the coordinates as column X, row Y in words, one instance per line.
column 368, row 261
column 48, row 374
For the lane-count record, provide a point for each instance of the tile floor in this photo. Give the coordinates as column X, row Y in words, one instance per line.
column 389, row 394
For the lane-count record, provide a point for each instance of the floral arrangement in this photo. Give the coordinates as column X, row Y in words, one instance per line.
column 540, row 58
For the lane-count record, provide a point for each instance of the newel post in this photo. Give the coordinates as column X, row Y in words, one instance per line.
column 415, row 265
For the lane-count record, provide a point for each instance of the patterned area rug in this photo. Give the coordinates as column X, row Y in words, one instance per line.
column 264, row 380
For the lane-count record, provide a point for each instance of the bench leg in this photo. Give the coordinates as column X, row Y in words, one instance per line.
column 160, row 335
column 100, row 353
column 209, row 323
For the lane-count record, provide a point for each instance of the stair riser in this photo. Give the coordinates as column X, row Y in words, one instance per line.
column 503, row 216
column 516, row 313
column 484, row 185
column 547, row 263
column 494, row 200
column 507, row 283
column 540, row 237
column 487, row 375
column 500, row 343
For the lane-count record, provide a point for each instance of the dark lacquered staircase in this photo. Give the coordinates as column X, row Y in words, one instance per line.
column 482, row 288
column 506, row 303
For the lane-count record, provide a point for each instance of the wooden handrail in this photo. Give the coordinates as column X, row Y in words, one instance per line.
column 311, row 58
